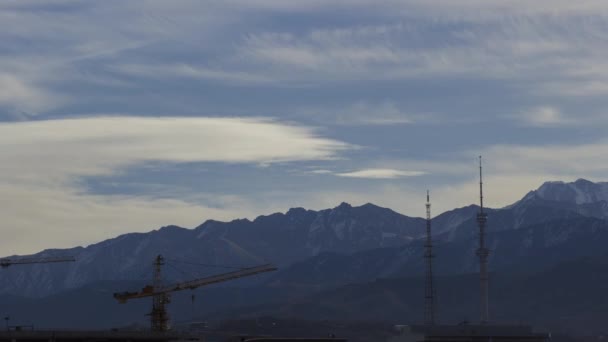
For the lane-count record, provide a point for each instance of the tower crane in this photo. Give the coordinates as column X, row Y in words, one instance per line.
column 161, row 294
column 6, row 262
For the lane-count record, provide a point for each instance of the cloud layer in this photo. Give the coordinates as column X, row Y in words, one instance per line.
column 43, row 163
column 382, row 102
column 100, row 145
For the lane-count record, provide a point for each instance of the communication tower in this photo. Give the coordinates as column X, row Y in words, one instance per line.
column 429, row 291
column 482, row 253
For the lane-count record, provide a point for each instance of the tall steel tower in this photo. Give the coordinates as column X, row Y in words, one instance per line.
column 429, row 291
column 482, row 253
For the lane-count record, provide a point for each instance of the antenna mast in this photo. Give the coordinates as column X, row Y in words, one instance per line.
column 429, row 291
column 482, row 253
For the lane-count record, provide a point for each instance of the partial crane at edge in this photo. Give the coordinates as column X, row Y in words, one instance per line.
column 6, row 262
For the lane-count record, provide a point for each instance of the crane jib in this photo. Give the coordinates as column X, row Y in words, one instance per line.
column 6, row 262
column 149, row 291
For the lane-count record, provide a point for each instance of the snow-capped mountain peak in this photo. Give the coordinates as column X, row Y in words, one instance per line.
column 579, row 192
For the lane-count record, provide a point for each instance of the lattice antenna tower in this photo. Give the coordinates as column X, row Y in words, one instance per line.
column 429, row 290
column 482, row 253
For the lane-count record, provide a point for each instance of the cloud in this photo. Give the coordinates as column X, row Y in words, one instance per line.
column 43, row 163
column 62, row 216
column 593, row 86
column 184, row 70
column 100, row 145
column 54, row 47
column 61, row 56
column 477, row 9
column 488, row 10
column 546, row 43
column 344, row 53
column 380, row 174
column 24, row 98
column 361, row 114
column 545, row 116
column 541, row 53
column 321, row 172
column 560, row 160
column 510, row 172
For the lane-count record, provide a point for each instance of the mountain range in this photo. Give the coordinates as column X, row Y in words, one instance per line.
column 351, row 256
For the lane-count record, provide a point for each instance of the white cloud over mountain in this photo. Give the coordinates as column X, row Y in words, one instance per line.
column 43, row 163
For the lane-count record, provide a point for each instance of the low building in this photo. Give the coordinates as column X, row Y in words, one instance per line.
column 467, row 332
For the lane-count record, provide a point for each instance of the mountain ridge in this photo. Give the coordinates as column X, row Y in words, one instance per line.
column 286, row 238
column 280, row 238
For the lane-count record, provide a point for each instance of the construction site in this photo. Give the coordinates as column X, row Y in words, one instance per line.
column 160, row 294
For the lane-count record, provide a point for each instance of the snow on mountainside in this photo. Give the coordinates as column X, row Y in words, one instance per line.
column 526, row 250
column 278, row 238
column 579, row 192
column 532, row 234
column 550, row 202
column 582, row 197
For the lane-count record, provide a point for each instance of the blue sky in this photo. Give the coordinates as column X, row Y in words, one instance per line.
column 120, row 116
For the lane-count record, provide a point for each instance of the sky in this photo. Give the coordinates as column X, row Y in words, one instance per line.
column 125, row 116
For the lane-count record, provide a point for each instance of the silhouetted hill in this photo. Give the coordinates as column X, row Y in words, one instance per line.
column 570, row 297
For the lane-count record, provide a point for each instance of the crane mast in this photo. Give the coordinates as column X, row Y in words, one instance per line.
column 159, row 315
column 160, row 294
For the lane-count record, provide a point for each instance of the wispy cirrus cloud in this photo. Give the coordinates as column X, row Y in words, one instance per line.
column 189, row 71
column 472, row 9
column 361, row 114
column 546, row 43
column 545, row 51
column 52, row 48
